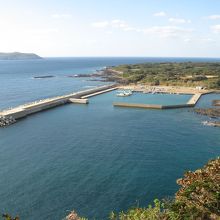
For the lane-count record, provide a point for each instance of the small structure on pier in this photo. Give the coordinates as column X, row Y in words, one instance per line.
column 79, row 101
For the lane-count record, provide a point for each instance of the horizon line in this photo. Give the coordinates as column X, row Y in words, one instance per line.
column 130, row 57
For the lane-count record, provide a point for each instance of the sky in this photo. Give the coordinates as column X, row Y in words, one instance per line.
column 135, row 28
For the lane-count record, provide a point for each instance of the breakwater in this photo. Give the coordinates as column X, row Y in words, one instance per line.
column 148, row 106
column 5, row 121
column 195, row 98
column 10, row 116
column 191, row 103
column 45, row 104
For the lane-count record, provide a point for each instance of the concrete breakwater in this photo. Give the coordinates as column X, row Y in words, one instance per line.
column 191, row 103
column 5, row 121
column 41, row 105
column 9, row 116
column 195, row 98
column 148, row 106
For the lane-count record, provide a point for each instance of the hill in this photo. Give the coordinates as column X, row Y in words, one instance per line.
column 19, row 56
column 203, row 74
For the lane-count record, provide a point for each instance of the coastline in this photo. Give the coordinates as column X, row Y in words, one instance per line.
column 166, row 89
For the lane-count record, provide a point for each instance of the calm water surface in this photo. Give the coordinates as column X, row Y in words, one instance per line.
column 93, row 158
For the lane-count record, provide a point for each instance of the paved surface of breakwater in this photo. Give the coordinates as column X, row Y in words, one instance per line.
column 41, row 105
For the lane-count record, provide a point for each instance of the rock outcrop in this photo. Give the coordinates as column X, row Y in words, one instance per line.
column 5, row 121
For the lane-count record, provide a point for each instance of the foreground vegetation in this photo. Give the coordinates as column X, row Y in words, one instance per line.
column 175, row 74
column 198, row 198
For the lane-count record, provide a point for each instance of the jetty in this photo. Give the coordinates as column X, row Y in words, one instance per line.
column 12, row 114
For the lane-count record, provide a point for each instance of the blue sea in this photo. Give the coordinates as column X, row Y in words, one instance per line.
column 93, row 158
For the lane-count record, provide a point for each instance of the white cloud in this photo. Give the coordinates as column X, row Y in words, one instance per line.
column 101, row 24
column 214, row 17
column 119, row 24
column 187, row 40
column 179, row 21
column 160, row 14
column 59, row 16
column 216, row 28
column 208, row 40
column 168, row 31
column 160, row 31
column 43, row 31
column 109, row 32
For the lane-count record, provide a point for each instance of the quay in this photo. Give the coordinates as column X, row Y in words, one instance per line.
column 45, row 104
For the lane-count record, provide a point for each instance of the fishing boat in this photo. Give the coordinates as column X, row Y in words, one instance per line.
column 209, row 123
column 124, row 93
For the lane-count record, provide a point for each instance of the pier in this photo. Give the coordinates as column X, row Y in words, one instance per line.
column 45, row 104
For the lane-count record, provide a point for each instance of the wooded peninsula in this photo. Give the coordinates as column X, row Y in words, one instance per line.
column 204, row 74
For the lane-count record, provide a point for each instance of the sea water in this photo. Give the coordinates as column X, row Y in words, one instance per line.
column 93, row 158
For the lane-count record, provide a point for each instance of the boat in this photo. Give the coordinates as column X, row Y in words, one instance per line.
column 210, row 123
column 124, row 93
column 43, row 77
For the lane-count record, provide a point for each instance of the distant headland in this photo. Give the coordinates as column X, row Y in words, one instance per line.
column 19, row 56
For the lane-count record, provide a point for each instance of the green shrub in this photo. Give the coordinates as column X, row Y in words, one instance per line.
column 197, row 199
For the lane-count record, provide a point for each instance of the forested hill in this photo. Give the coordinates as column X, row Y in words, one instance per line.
column 19, row 56
column 185, row 74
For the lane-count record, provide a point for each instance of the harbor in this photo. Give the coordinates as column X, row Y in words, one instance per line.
column 10, row 116
column 75, row 152
column 196, row 95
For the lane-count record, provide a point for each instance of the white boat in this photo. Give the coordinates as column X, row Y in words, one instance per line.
column 124, row 93
column 208, row 123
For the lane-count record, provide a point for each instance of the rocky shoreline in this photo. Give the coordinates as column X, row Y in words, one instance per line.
column 104, row 75
column 213, row 113
column 6, row 121
column 216, row 102
column 210, row 112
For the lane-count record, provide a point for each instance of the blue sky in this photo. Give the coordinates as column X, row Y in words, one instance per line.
column 187, row 28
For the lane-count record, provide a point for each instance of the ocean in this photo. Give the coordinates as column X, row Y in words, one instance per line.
column 93, row 158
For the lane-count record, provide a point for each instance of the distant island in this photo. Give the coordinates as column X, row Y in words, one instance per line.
column 19, row 56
